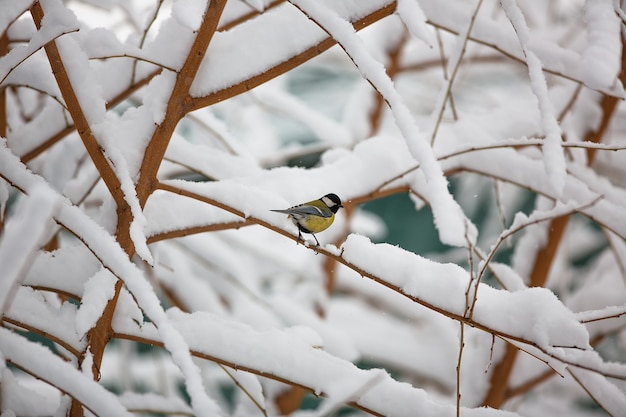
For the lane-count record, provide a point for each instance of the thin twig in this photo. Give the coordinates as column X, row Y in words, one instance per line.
column 33, row 53
column 144, row 35
column 455, row 70
column 136, row 58
column 242, row 388
column 588, row 391
column 510, row 232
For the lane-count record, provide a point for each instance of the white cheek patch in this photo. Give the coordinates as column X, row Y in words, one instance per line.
column 328, row 202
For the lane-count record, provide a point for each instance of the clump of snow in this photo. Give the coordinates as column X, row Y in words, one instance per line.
column 601, row 58
column 99, row 289
column 189, row 12
column 554, row 158
column 21, row 239
column 56, row 22
column 534, row 314
column 85, row 86
column 21, row 400
column 39, row 360
column 413, row 17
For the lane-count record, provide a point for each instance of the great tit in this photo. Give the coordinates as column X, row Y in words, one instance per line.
column 314, row 216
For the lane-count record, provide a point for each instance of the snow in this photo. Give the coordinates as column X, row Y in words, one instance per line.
column 124, row 138
column 507, row 276
column 534, row 314
column 116, row 260
column 189, row 13
column 139, row 222
column 32, row 222
column 210, row 162
column 67, row 269
column 415, row 20
column 11, row 11
column 19, row 399
column 171, row 44
column 605, row 392
column 554, row 158
column 169, row 212
column 53, row 26
column 454, row 228
column 99, row 289
column 324, row 128
column 171, row 405
column 333, row 340
column 35, row 309
column 76, row 64
column 601, row 58
column 37, row 359
column 282, row 25
column 575, row 190
column 263, row 309
column 285, row 354
column 452, row 66
column 426, row 345
column 211, row 76
column 257, row 191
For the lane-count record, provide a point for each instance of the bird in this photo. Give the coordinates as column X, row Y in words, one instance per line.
column 314, row 216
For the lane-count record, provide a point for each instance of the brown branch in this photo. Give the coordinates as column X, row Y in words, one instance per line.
column 4, row 49
column 245, row 17
column 172, row 234
column 223, row 362
column 48, row 336
column 239, row 367
column 80, row 120
column 383, row 190
column 283, row 67
column 179, row 103
column 100, row 334
column 539, row 379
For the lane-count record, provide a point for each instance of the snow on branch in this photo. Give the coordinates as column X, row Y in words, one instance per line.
column 54, row 26
column 601, row 61
column 442, row 287
column 113, row 257
column 33, row 223
column 293, row 355
column 38, row 360
column 554, row 158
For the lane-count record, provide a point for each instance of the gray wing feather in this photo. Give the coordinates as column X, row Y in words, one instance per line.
column 305, row 210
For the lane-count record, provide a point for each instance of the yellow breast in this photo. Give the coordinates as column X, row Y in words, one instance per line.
column 315, row 224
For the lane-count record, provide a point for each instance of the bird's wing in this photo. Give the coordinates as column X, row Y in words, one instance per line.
column 305, row 210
